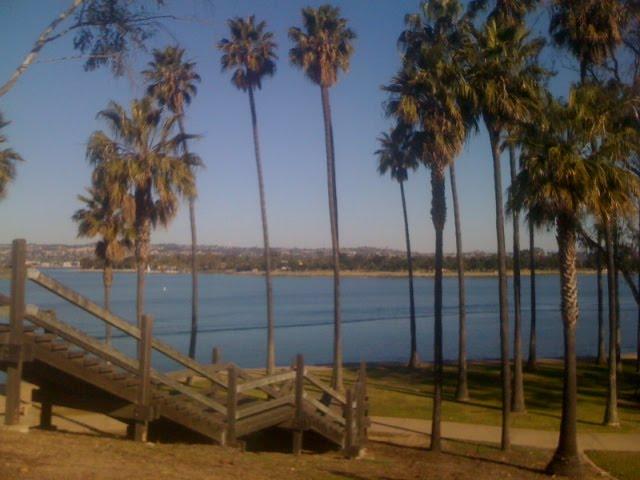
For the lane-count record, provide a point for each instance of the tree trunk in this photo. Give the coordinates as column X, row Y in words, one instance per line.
column 616, row 279
column 494, row 135
column 638, row 328
column 44, row 38
column 194, row 258
column 602, row 353
column 517, row 401
column 532, row 363
column 414, row 359
column 462, row 390
column 438, row 215
column 337, row 375
column 566, row 460
column 611, row 411
column 271, row 348
column 107, row 280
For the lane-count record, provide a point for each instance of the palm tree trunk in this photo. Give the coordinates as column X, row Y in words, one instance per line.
column 567, row 460
column 611, row 411
column 194, row 259
column 462, row 390
column 602, row 353
column 271, row 348
column 107, row 280
column 532, row 363
column 638, row 328
column 616, row 278
column 494, row 135
column 438, row 215
column 337, row 375
column 517, row 401
column 414, row 359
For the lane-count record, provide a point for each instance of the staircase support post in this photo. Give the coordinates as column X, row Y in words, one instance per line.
column 232, row 404
column 144, row 389
column 16, row 319
column 361, row 407
column 299, row 396
column 348, row 429
column 216, row 355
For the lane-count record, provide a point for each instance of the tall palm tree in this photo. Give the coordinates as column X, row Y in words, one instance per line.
column 396, row 157
column 8, row 159
column 462, row 387
column 140, row 156
column 502, row 70
column 106, row 214
column 601, row 358
column 425, row 94
column 560, row 183
column 322, row 48
column 172, row 82
column 251, row 54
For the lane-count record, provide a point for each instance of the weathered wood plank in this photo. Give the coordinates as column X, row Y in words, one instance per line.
column 144, row 389
column 16, row 318
column 264, row 381
column 326, row 389
column 324, row 409
column 264, row 406
column 232, row 404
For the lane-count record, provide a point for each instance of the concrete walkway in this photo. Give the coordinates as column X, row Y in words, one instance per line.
column 414, row 432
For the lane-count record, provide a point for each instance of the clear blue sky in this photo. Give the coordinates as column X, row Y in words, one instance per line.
column 53, row 109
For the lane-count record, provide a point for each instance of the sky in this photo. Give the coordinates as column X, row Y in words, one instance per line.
column 53, row 111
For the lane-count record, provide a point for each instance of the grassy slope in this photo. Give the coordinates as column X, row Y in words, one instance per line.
column 400, row 392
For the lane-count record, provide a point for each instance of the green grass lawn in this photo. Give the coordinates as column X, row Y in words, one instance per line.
column 622, row 465
column 396, row 391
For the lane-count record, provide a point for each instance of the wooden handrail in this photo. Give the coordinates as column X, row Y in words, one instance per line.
column 97, row 311
column 324, row 409
column 264, row 381
column 107, row 352
column 328, row 390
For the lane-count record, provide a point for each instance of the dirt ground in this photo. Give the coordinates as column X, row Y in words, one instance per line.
column 58, row 455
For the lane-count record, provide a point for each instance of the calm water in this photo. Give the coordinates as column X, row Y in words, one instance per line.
column 375, row 315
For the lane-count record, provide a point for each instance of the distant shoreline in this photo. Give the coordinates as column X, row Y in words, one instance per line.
column 344, row 273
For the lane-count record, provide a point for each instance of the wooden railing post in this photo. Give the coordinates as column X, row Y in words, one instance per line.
column 232, row 404
column 348, row 417
column 299, row 395
column 362, row 406
column 143, row 412
column 16, row 319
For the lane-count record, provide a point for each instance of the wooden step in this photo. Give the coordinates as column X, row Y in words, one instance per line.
column 45, row 338
column 75, row 354
column 59, row 346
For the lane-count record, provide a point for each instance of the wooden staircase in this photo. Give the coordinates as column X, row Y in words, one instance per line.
column 218, row 402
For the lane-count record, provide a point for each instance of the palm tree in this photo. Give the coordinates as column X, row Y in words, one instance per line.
column 172, row 82
column 140, row 158
column 425, row 94
column 503, row 73
column 106, row 214
column 396, row 157
column 601, row 358
column 559, row 183
column 251, row 54
column 8, row 159
column 462, row 388
column 321, row 49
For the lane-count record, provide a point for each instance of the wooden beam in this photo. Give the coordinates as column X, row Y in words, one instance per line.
column 324, row 409
column 325, row 388
column 16, row 319
column 348, row 417
column 362, row 406
column 232, row 405
column 261, row 382
column 299, row 414
column 261, row 406
column 144, row 389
